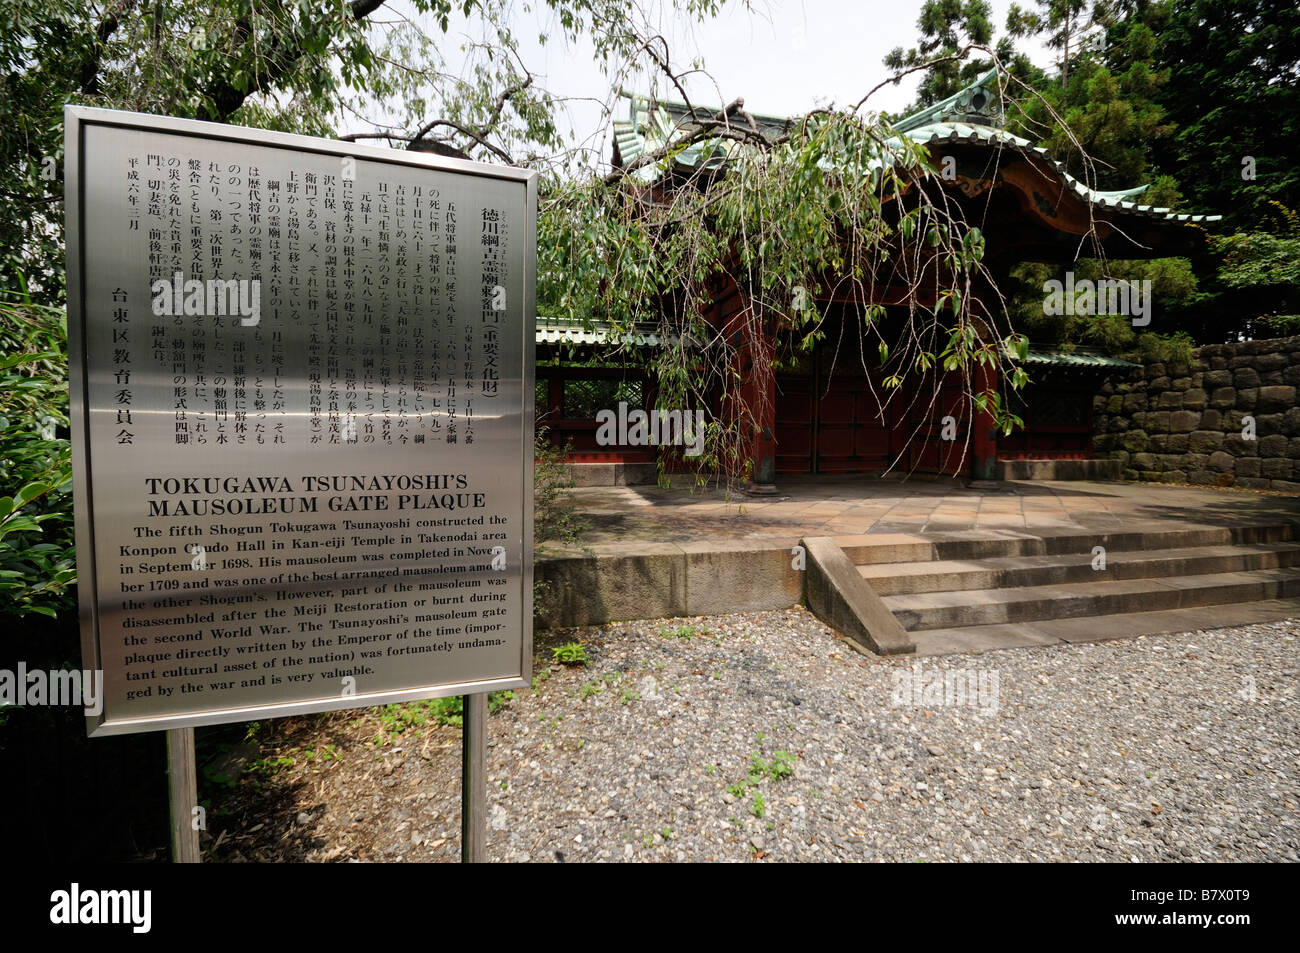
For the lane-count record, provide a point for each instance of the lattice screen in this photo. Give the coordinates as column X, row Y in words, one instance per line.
column 583, row 399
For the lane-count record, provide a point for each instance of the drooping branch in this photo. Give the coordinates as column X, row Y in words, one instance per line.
column 443, row 144
column 706, row 124
column 470, row 133
column 480, row 134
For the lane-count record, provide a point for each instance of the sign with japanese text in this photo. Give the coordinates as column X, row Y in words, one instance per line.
column 302, row 391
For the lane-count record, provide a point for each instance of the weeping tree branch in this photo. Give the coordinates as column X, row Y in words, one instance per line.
column 443, row 144
column 894, row 237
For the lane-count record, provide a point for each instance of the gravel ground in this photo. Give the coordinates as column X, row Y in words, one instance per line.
column 762, row 736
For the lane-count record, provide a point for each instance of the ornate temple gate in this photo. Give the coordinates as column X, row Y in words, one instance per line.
column 828, row 420
column 1028, row 208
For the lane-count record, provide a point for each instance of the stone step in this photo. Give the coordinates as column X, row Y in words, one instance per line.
column 891, row 579
column 977, row 607
column 984, row 544
column 1127, row 625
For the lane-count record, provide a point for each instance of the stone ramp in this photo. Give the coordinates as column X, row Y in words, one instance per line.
column 971, row 591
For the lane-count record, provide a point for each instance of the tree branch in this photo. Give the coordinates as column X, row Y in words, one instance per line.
column 224, row 97
column 495, row 150
column 107, row 27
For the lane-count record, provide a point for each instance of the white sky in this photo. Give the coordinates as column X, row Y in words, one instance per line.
column 784, row 57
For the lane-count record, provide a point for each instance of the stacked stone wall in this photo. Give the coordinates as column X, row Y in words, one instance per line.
column 1229, row 419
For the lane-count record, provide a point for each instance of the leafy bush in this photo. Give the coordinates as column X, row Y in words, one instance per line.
column 554, row 517
column 1280, row 325
column 37, row 559
column 1175, row 349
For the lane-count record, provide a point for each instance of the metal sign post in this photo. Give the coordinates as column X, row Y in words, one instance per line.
column 183, row 795
column 473, row 779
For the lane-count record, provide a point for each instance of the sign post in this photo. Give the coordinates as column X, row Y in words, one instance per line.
column 183, row 795
column 302, row 401
column 473, row 784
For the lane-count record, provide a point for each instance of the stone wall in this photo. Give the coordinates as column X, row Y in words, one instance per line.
column 1185, row 424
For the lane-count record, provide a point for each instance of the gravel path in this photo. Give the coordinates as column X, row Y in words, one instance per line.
column 763, row 736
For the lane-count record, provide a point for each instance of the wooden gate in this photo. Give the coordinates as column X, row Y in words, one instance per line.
column 831, row 423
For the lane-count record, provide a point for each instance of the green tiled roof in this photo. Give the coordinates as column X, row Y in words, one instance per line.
column 561, row 331
column 1079, row 357
column 972, row 115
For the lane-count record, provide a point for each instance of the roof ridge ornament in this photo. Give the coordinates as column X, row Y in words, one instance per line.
column 979, row 103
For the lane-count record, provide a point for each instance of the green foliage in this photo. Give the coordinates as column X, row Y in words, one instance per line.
column 1258, row 259
column 1063, row 24
column 1099, row 116
column 781, row 766
column 299, row 67
column 1175, row 349
column 325, row 754
column 947, row 27
column 1257, row 284
column 682, row 632
column 1174, row 289
column 37, row 560
column 498, row 700
column 263, row 769
column 1232, row 93
column 1281, row 325
column 571, row 653
column 554, row 516
column 395, row 720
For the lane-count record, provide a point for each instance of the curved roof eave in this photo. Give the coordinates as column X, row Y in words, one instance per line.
column 650, row 126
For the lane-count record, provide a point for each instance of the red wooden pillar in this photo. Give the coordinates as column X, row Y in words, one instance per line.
column 754, row 408
column 984, row 436
column 758, row 392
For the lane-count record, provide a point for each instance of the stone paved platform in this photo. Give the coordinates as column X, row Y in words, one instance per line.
column 658, row 552
column 854, row 506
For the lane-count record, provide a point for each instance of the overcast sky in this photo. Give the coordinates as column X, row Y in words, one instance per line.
column 784, row 57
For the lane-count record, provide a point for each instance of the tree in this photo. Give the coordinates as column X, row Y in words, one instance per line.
column 1234, row 95
column 301, row 67
column 1066, row 23
column 824, row 207
column 1100, row 116
column 949, row 28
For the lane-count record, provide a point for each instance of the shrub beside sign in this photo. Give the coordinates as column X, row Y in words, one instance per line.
column 302, row 386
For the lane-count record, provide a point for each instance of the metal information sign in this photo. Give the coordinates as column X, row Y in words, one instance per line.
column 302, row 398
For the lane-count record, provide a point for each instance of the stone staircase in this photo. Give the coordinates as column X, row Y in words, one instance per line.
column 972, row 592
